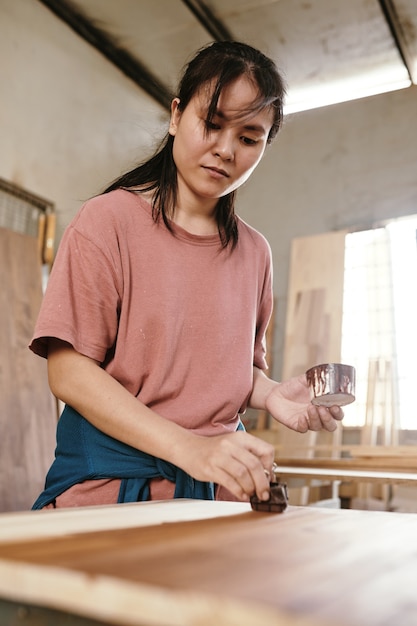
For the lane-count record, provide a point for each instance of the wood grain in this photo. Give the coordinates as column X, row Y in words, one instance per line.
column 389, row 464
column 28, row 410
column 328, row 566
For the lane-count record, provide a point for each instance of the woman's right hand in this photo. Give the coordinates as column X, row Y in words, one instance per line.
column 238, row 461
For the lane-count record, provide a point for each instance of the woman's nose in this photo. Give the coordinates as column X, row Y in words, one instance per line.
column 224, row 146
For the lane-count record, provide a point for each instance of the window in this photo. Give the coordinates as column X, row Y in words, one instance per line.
column 28, row 214
column 20, row 210
column 379, row 334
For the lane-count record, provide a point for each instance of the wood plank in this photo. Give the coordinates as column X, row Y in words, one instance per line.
column 309, row 474
column 34, row 525
column 315, row 302
column 28, row 409
column 323, row 449
column 388, row 464
column 328, row 566
column 313, row 323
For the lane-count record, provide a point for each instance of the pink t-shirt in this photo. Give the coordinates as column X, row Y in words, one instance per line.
column 174, row 318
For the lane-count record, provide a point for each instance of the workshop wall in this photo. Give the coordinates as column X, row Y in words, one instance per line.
column 70, row 122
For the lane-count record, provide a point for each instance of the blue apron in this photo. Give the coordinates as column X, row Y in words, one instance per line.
column 85, row 453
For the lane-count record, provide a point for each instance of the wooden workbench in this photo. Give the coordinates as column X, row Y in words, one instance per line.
column 381, row 469
column 189, row 563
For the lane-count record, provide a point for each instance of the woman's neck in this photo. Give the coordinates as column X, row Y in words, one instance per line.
column 195, row 218
column 195, row 223
column 195, row 215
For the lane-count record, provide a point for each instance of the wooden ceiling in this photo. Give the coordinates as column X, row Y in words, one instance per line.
column 328, row 50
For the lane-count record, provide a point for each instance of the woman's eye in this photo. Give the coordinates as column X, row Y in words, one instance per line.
column 248, row 141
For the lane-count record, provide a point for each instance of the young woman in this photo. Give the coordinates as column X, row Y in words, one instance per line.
column 154, row 318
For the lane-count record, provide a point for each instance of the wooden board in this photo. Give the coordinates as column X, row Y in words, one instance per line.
column 337, row 474
column 387, row 464
column 313, row 324
column 315, row 302
column 28, row 410
column 305, row 566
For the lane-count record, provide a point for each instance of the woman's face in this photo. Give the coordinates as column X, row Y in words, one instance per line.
column 212, row 164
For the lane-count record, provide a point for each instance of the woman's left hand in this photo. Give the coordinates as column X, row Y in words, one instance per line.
column 289, row 403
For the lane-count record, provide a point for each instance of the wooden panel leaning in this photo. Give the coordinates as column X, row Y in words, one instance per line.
column 28, row 409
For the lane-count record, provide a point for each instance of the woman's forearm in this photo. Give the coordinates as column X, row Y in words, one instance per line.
column 82, row 383
column 261, row 389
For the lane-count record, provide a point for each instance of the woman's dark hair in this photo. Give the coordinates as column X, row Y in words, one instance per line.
column 218, row 65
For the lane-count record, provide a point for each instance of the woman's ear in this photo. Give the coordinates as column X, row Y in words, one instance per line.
column 175, row 116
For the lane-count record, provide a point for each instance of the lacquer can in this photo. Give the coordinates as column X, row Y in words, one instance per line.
column 331, row 384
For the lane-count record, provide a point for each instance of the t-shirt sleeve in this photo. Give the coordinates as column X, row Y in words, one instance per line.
column 81, row 303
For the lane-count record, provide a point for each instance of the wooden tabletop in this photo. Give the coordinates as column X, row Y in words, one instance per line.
column 189, row 563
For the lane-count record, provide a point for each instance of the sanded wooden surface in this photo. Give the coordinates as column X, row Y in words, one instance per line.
column 46, row 524
column 305, row 566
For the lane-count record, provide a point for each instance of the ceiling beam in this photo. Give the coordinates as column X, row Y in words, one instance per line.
column 108, row 46
column 394, row 24
column 208, row 20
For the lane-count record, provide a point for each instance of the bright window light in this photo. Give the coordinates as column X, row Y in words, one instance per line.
column 334, row 92
column 379, row 335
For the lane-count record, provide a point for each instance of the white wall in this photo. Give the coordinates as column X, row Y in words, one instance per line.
column 344, row 166
column 70, row 123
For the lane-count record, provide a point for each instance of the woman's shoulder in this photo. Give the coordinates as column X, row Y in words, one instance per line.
column 114, row 202
column 248, row 233
column 112, row 209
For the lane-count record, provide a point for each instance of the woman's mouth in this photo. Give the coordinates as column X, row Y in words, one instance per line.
column 217, row 172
